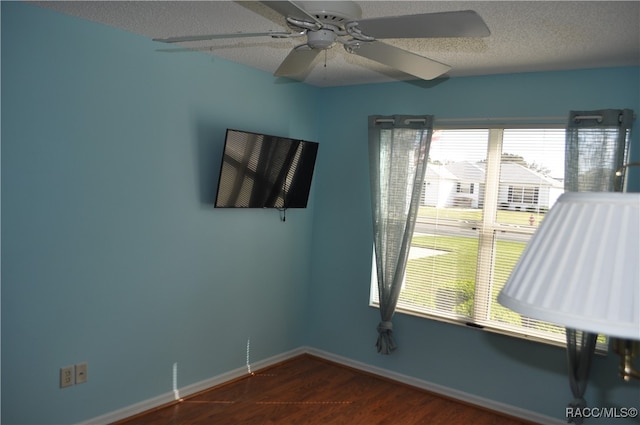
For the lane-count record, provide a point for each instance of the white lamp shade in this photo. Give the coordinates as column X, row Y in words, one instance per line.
column 581, row 268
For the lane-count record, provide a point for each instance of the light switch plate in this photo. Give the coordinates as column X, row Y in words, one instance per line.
column 81, row 373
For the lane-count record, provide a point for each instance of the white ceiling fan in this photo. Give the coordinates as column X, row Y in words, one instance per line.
column 325, row 23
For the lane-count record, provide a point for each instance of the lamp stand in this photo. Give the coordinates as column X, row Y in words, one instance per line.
column 627, row 350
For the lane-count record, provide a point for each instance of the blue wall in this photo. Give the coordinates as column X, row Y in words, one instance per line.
column 111, row 250
column 520, row 373
column 112, row 253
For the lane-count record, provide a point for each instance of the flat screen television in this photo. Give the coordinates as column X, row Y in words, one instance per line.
column 262, row 171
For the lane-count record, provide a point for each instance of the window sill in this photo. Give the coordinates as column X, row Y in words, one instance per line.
column 601, row 349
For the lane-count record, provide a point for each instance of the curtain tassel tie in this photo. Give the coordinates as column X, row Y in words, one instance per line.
column 385, row 343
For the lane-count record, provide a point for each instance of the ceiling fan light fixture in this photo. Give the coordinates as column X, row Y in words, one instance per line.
column 321, row 40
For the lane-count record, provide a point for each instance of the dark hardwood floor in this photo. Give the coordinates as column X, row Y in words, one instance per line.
column 309, row 390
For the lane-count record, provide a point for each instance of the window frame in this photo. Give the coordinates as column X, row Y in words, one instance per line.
column 523, row 195
column 489, row 208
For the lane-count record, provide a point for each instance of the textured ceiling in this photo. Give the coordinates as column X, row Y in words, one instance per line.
column 525, row 35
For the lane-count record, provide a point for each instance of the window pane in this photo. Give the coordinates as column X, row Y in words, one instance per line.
column 441, row 271
column 531, row 174
column 531, row 180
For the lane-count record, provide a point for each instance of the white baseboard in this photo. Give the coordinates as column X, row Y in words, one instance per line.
column 439, row 389
column 240, row 372
column 188, row 390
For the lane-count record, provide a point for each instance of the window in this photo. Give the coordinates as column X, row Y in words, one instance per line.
column 464, row 187
column 485, row 192
column 523, row 195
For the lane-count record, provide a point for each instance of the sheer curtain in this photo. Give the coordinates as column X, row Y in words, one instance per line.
column 597, row 146
column 398, row 151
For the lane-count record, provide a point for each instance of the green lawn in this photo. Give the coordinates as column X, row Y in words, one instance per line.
column 432, row 281
column 470, row 214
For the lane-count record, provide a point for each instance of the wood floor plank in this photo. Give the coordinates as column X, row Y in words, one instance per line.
column 307, row 390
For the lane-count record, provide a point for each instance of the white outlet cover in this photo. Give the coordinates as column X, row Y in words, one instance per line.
column 67, row 376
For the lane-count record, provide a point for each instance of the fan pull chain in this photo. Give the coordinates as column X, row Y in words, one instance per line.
column 325, row 65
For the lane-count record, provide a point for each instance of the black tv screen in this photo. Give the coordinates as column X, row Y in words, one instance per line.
column 262, row 171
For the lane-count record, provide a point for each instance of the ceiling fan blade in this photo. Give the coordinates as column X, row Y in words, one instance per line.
column 403, row 60
column 466, row 23
column 220, row 36
column 290, row 9
column 297, row 61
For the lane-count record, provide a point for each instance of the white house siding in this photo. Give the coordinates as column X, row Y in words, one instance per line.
column 440, row 188
column 436, row 193
column 439, row 185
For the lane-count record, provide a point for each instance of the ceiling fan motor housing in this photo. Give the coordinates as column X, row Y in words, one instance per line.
column 333, row 12
column 333, row 15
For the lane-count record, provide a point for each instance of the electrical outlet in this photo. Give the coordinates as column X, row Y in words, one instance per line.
column 81, row 373
column 67, row 376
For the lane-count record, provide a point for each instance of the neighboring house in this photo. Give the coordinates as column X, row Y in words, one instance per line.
column 461, row 184
column 438, row 186
column 468, row 191
column 523, row 189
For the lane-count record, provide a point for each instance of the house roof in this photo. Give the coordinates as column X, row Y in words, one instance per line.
column 435, row 171
column 474, row 172
column 467, row 171
column 511, row 172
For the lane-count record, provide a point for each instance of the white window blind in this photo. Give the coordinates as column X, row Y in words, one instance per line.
column 485, row 192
